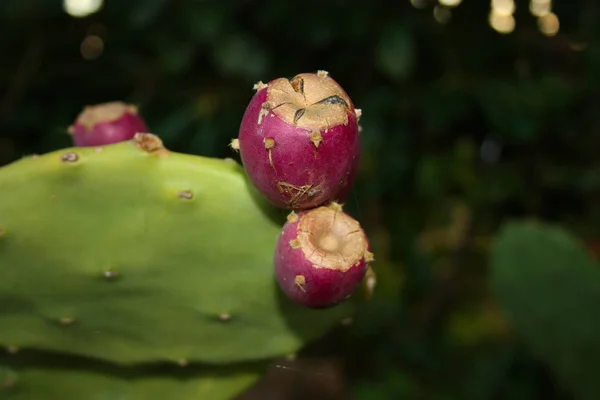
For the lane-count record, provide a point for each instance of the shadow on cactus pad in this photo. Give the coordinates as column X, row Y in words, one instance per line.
column 132, row 253
column 549, row 286
column 34, row 375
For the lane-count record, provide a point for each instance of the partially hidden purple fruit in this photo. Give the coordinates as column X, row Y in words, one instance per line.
column 299, row 141
column 321, row 256
column 106, row 123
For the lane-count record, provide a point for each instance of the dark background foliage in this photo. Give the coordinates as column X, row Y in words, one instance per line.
column 463, row 128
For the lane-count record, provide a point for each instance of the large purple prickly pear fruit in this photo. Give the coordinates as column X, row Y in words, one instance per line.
column 299, row 141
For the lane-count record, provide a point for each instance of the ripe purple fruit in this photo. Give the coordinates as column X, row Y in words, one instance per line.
column 106, row 123
column 321, row 256
column 299, row 141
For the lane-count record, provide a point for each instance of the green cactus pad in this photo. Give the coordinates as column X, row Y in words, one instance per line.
column 549, row 287
column 132, row 253
column 30, row 379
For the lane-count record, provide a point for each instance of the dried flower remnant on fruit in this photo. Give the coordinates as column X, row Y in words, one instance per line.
column 331, row 239
column 309, row 101
column 104, row 112
column 296, row 193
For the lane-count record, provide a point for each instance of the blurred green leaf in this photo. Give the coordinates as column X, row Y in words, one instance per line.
column 395, row 52
column 146, row 13
column 549, row 286
column 207, row 20
column 240, row 55
column 396, row 385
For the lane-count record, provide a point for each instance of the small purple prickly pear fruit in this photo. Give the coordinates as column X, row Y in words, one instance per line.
column 106, row 123
column 321, row 256
column 299, row 141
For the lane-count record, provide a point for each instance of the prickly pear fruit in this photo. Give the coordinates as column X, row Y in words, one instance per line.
column 106, row 123
column 299, row 140
column 321, row 256
column 131, row 253
column 51, row 377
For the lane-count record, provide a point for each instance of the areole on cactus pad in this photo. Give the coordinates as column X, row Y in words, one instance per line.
column 130, row 253
column 299, row 141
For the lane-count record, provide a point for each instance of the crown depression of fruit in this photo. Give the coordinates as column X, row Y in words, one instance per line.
column 106, row 123
column 299, row 141
column 321, row 256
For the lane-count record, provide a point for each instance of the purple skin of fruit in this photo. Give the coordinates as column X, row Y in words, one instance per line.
column 321, row 256
column 106, row 123
column 299, row 141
